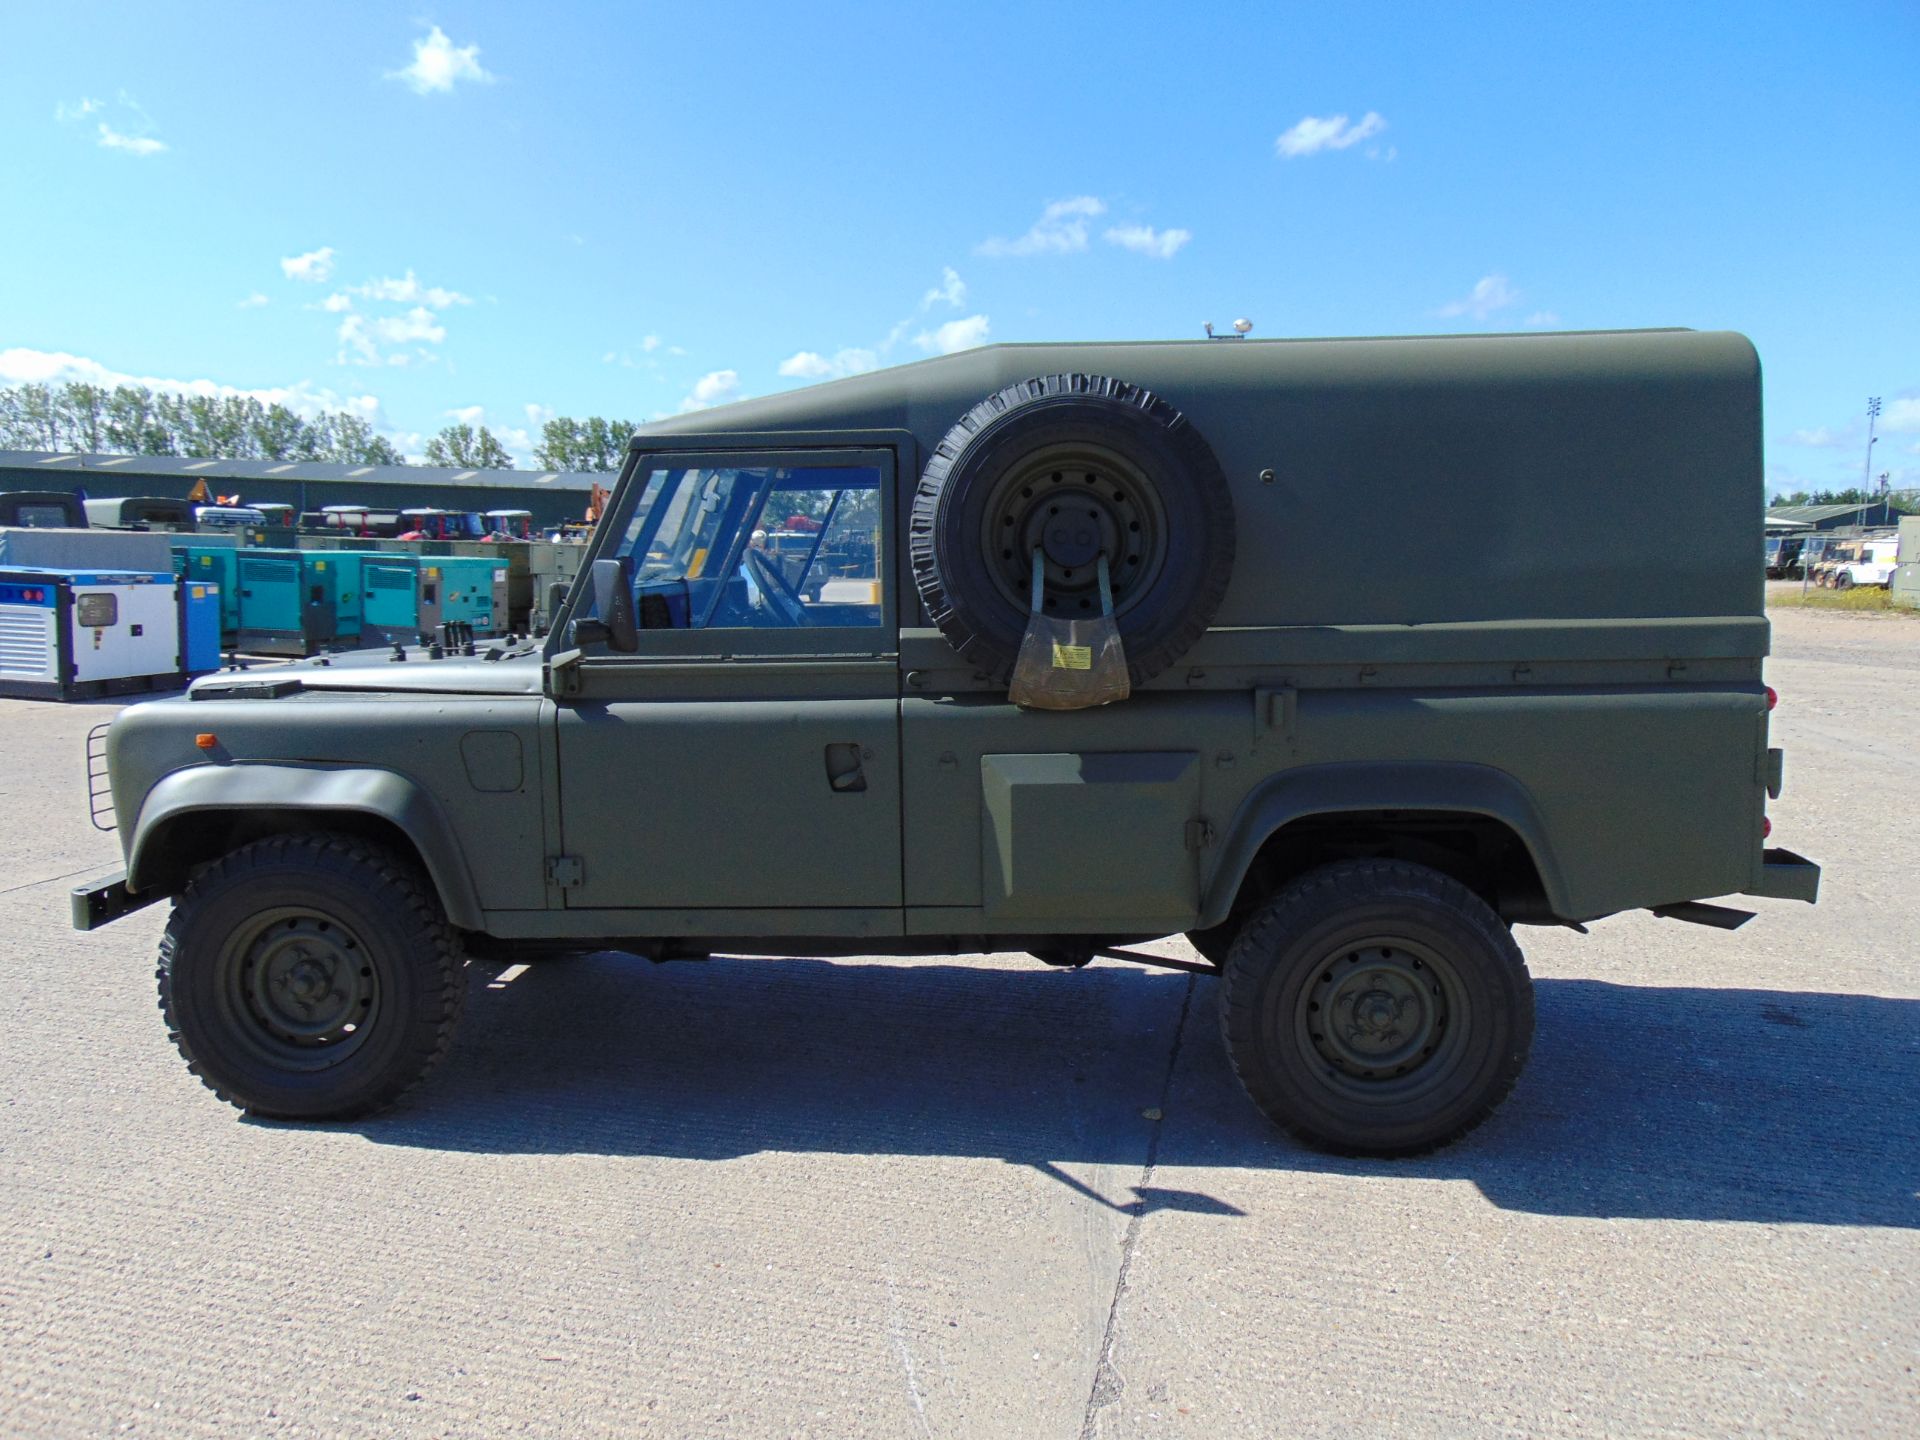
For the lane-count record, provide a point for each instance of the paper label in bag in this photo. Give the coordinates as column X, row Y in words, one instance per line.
column 1072, row 657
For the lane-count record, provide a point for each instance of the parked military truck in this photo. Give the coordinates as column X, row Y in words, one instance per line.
column 1344, row 774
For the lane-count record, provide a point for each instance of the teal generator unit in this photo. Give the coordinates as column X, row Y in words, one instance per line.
column 297, row 602
column 463, row 589
column 389, row 598
column 212, row 565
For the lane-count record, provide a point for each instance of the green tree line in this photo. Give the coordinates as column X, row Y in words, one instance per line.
column 135, row 420
column 1853, row 496
column 591, row 444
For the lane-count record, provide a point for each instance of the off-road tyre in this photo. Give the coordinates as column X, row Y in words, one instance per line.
column 1131, row 474
column 1432, row 1004
column 310, row 977
column 1842, row 580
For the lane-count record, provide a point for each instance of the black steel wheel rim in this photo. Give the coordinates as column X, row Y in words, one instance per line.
column 299, row 989
column 1383, row 1019
column 1073, row 502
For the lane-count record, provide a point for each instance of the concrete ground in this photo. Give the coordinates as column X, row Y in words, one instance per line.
column 887, row 1197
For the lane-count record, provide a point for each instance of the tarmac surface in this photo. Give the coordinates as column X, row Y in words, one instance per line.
column 978, row 1198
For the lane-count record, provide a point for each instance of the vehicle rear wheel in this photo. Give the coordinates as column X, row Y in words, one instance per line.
column 1376, row 1008
column 1842, row 580
column 310, row 977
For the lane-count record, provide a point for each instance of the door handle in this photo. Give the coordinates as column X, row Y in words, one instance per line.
column 845, row 776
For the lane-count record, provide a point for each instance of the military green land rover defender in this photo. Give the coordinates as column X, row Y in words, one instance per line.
column 1341, row 658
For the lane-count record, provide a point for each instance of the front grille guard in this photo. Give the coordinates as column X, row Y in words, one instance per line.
column 99, row 787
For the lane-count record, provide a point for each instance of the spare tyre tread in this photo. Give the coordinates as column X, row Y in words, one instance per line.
column 957, row 616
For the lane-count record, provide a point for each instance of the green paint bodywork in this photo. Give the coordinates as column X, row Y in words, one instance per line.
column 1495, row 595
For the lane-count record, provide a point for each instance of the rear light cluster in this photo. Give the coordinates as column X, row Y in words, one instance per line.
column 1773, row 697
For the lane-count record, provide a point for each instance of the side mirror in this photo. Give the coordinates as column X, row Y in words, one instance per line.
column 612, row 582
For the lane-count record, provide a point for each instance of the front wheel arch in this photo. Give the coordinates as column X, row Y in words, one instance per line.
column 195, row 816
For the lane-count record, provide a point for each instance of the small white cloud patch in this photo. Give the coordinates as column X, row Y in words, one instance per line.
column 135, row 137
column 1490, row 293
column 1541, row 318
column 112, row 139
column 714, row 388
column 409, row 291
column 951, row 289
column 809, row 365
column 1060, row 230
column 1314, row 133
column 1145, row 240
column 313, row 268
column 438, row 63
column 954, row 335
column 252, row 302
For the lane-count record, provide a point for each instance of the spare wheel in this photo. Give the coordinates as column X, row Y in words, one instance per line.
column 1073, row 466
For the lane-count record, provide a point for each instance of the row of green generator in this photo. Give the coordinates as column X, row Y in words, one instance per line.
column 300, row 602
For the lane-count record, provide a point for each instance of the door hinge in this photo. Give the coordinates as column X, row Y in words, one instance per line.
column 1199, row 834
column 566, row 871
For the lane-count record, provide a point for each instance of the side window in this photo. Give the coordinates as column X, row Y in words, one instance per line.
column 773, row 546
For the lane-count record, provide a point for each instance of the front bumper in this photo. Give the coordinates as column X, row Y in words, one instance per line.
column 1786, row 876
column 103, row 901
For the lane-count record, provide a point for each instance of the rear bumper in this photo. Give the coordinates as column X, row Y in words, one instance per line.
column 1786, row 876
column 102, row 901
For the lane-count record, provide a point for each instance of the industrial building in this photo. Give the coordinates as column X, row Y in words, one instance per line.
column 1878, row 515
column 553, row 496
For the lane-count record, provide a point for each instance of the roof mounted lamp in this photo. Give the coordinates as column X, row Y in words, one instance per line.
column 1240, row 329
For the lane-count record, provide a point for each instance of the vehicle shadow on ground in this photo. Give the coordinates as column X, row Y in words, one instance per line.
column 1675, row 1103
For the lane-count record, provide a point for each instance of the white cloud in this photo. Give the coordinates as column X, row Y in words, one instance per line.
column 112, row 139
column 650, row 344
column 1542, row 318
column 1060, row 230
column 336, row 304
column 808, row 365
column 469, row 414
column 1902, row 415
column 409, row 291
column 361, row 337
column 135, row 138
column 418, row 323
column 438, row 63
column 714, row 388
column 954, row 335
column 951, row 289
column 1821, row 437
column 252, row 302
column 1489, row 294
column 1145, row 240
column 1315, row 133
column 313, row 268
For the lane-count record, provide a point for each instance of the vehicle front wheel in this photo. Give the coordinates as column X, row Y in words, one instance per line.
column 1376, row 1008
column 310, row 977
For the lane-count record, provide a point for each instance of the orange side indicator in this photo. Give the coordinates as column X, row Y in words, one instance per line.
column 205, row 740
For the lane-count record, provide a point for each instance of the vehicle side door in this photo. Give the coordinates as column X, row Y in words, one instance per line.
column 739, row 773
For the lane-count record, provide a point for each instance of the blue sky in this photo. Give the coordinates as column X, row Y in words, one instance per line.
column 505, row 210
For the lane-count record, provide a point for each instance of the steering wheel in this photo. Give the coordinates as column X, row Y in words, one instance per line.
column 783, row 601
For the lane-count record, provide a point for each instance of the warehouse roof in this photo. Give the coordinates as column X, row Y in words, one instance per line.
column 1814, row 514
column 63, row 471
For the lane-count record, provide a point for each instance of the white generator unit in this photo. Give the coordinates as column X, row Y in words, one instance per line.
column 74, row 634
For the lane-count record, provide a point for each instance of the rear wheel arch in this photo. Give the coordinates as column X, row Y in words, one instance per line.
column 1474, row 823
column 195, row 816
